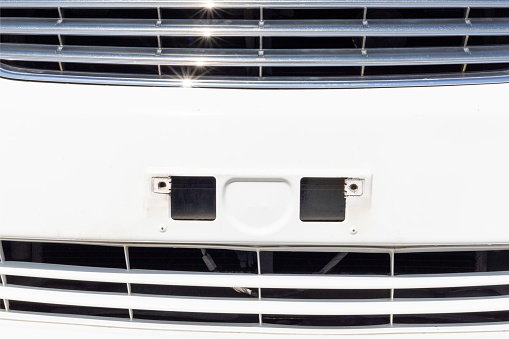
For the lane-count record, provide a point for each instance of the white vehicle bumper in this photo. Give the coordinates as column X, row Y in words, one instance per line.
column 77, row 162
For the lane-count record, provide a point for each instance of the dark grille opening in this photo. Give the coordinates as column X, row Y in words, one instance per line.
column 408, row 70
column 53, row 66
column 456, row 318
column 74, row 285
column 311, row 71
column 184, row 72
column 419, row 13
column 435, row 69
column 118, row 41
column 486, row 67
column 107, row 13
column 439, row 262
column 109, row 68
column 337, row 321
column 202, row 42
column 190, row 259
column 30, row 39
column 313, row 262
column 29, row 12
column 310, row 43
column 381, row 42
column 65, row 254
column 489, row 12
column 15, row 305
column 191, row 291
column 451, row 262
column 443, row 41
column 196, row 317
column 210, row 13
column 454, row 292
column 2, row 305
column 488, row 40
column 311, row 13
column 325, row 294
column 497, row 261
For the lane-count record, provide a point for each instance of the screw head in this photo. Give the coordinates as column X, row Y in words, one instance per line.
column 162, row 228
column 353, row 230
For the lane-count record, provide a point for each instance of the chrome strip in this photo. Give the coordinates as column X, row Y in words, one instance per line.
column 254, row 82
column 255, row 3
column 250, row 57
column 284, row 28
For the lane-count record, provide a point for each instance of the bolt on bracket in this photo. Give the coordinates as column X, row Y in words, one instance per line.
column 161, row 185
column 354, row 187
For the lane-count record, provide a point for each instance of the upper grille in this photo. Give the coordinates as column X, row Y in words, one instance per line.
column 320, row 287
column 263, row 43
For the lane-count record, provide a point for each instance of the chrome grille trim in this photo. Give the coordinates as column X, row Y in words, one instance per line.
column 358, row 49
column 256, row 3
column 287, row 28
column 245, row 57
column 256, row 83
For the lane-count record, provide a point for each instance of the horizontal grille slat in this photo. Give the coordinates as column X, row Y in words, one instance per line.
column 294, row 28
column 254, row 306
column 255, row 3
column 256, row 281
column 245, row 57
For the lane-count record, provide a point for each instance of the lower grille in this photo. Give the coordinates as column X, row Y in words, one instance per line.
column 319, row 287
column 290, row 44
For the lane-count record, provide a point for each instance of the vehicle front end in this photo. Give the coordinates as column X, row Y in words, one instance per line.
column 254, row 168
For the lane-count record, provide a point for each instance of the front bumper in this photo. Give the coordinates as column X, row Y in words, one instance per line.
column 76, row 160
